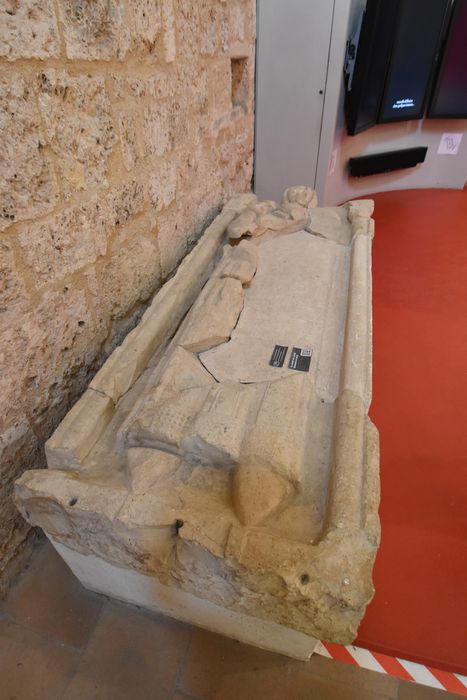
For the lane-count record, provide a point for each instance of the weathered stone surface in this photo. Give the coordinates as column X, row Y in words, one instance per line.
column 291, row 216
column 301, row 196
column 185, row 23
column 165, row 422
column 19, row 448
column 215, row 436
column 177, row 231
column 131, row 273
column 359, row 213
column 110, row 169
column 265, row 207
column 79, row 431
column 275, row 221
column 357, row 362
column 248, row 486
column 290, row 268
column 28, row 186
column 170, row 49
column 172, row 239
column 225, row 424
column 239, row 262
column 286, row 403
column 209, row 15
column 127, row 126
column 235, row 22
column 48, row 348
column 221, row 88
column 245, row 223
column 360, row 207
column 198, row 89
column 74, row 503
column 331, row 223
column 147, row 467
column 65, row 242
column 166, row 410
column 78, row 236
column 257, row 492
column 157, row 129
column 180, row 128
column 124, row 201
column 166, row 310
column 76, row 116
column 160, row 85
column 13, row 295
column 146, row 18
column 362, row 225
column 163, row 185
column 94, row 29
column 213, row 316
column 239, row 202
column 28, row 29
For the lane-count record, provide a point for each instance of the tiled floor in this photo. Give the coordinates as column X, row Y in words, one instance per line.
column 57, row 640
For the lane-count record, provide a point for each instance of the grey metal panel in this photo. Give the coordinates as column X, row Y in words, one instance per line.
column 292, row 58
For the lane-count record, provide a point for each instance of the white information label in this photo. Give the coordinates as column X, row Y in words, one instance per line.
column 449, row 144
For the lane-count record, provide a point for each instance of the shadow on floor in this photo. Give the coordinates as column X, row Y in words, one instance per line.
column 58, row 640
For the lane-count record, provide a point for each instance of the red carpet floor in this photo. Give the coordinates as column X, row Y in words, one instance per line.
column 420, row 407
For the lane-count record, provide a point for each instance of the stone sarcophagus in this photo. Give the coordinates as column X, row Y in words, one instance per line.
column 221, row 467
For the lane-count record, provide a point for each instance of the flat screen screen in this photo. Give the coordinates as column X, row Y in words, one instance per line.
column 372, row 59
column 417, row 41
column 450, row 95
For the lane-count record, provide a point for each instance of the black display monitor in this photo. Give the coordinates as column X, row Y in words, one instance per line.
column 449, row 100
column 417, row 42
column 398, row 46
column 364, row 93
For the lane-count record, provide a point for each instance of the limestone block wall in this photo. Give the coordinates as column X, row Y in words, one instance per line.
column 124, row 125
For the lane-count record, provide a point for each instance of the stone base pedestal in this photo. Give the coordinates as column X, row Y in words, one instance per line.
column 136, row 588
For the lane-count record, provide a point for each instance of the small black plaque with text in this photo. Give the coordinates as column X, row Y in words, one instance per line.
column 300, row 359
column 278, row 355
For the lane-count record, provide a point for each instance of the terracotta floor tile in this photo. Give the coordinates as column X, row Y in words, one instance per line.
column 31, row 667
column 131, row 654
column 413, row 691
column 318, row 668
column 304, row 686
column 218, row 668
column 49, row 599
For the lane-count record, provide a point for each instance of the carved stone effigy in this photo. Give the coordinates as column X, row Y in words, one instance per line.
column 221, row 467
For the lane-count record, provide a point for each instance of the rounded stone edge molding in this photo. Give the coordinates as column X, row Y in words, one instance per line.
column 81, row 428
